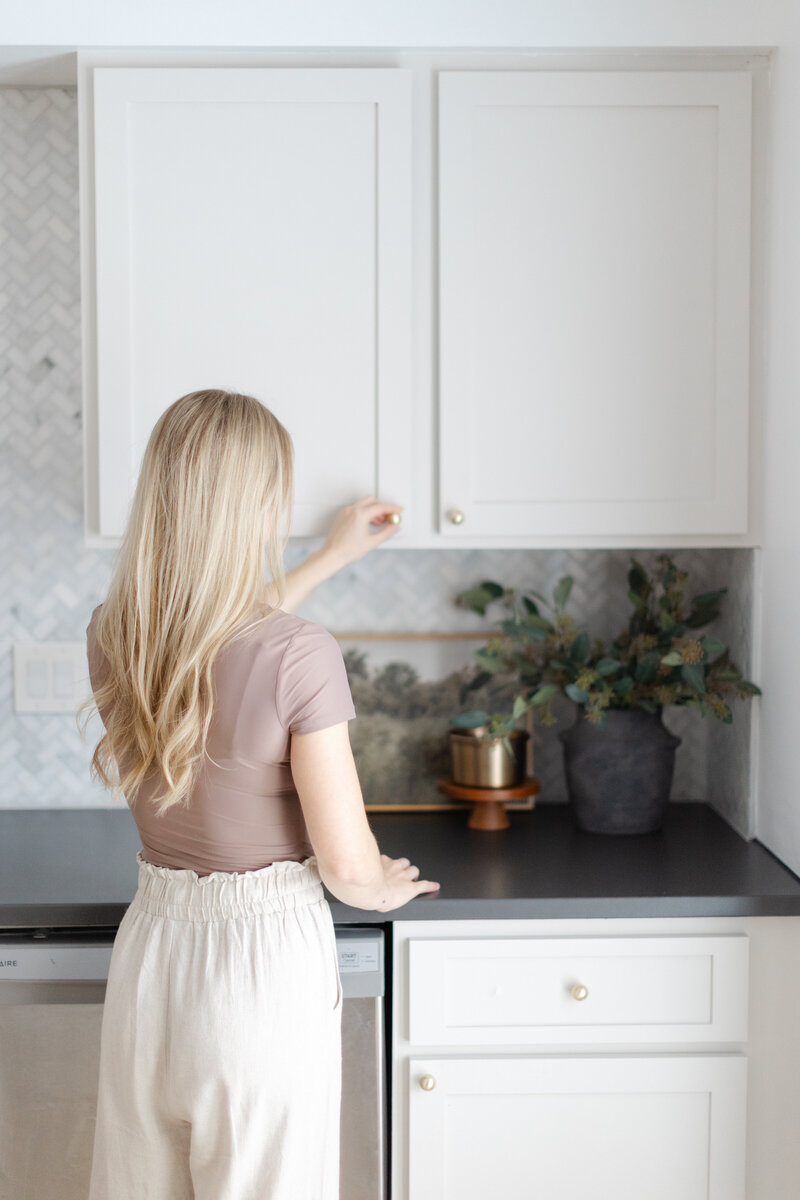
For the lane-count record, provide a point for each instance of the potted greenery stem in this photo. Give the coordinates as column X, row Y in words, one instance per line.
column 618, row 755
column 488, row 750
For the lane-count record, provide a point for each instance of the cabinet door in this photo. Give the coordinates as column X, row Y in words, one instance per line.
column 594, row 328
column 252, row 232
column 664, row 1128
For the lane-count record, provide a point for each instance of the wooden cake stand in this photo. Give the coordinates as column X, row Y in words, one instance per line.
column 487, row 803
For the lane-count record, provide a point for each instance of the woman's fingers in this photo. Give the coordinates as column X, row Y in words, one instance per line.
column 383, row 535
column 378, row 511
column 350, row 537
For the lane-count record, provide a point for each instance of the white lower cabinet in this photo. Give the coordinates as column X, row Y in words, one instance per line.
column 639, row 1059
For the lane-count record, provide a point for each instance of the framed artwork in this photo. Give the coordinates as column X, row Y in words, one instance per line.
column 406, row 687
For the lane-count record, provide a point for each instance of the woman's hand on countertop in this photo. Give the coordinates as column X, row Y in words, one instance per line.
column 402, row 883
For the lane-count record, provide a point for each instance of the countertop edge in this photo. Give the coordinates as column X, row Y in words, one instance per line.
column 49, row 916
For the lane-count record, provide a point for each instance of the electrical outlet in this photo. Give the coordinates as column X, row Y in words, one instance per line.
column 50, row 677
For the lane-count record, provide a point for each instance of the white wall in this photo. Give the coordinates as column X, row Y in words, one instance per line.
column 559, row 24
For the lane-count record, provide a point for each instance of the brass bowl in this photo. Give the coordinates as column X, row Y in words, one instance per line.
column 482, row 761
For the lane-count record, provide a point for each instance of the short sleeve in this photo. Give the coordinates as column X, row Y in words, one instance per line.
column 312, row 689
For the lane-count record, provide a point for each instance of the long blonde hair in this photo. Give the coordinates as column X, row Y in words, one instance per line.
column 214, row 485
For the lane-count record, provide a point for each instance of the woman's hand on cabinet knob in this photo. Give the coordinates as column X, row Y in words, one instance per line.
column 350, row 538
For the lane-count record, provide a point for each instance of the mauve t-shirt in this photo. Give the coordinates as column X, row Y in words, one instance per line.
column 286, row 676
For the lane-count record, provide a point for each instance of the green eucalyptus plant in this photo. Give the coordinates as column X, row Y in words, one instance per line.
column 658, row 659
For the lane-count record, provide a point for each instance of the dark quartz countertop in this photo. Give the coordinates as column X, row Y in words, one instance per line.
column 77, row 867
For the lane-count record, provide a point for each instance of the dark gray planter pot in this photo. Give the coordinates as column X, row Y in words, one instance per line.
column 619, row 776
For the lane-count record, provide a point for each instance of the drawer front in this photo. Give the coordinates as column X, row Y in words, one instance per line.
column 527, row 990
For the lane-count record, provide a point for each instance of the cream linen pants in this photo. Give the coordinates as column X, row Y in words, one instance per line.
column 220, row 1060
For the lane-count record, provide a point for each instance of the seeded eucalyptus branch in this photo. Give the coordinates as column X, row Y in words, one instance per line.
column 656, row 660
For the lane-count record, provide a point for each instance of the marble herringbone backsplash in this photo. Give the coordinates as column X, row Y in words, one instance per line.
column 52, row 582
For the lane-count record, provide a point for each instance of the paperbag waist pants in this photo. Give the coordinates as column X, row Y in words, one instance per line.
column 220, row 1061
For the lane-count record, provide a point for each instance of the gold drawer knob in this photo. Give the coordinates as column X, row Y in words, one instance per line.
column 455, row 516
column 392, row 519
column 427, row 1083
column 579, row 991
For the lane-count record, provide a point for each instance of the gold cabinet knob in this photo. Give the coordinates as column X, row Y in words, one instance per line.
column 392, row 519
column 455, row 516
column 579, row 991
column 427, row 1083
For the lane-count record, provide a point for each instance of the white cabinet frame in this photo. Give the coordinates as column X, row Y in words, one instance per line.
column 772, row 1151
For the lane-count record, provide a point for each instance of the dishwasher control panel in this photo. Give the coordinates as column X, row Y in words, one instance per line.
column 43, row 963
column 360, row 951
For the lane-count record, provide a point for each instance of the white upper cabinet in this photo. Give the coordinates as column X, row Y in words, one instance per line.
column 594, row 241
column 249, row 228
column 276, row 229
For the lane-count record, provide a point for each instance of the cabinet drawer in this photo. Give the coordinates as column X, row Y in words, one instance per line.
column 525, row 990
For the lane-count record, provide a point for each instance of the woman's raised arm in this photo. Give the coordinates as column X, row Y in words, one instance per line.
column 348, row 540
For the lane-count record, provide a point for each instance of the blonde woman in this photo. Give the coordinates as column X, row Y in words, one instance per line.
column 226, row 730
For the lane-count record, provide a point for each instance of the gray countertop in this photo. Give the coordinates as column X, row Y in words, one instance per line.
column 75, row 867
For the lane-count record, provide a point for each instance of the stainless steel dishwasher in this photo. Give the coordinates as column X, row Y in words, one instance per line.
column 52, row 983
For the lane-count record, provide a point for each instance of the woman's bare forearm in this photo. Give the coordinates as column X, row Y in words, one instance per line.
column 305, row 577
column 348, row 540
column 380, row 886
column 369, row 890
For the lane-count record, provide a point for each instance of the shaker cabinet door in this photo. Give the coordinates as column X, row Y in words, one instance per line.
column 664, row 1128
column 594, row 240
column 250, row 229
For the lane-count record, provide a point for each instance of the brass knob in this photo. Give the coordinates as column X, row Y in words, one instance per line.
column 579, row 991
column 392, row 519
column 427, row 1083
column 455, row 516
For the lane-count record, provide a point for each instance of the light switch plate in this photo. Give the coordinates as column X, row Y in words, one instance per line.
column 50, row 677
